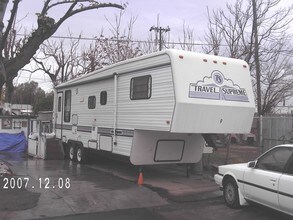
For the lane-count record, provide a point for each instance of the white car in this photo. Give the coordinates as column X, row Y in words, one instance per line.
column 268, row 180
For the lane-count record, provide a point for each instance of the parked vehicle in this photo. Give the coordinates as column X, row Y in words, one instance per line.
column 155, row 108
column 268, row 180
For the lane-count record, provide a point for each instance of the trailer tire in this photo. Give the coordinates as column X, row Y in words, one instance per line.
column 72, row 152
column 81, row 155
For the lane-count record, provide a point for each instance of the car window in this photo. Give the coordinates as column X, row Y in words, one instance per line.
column 275, row 160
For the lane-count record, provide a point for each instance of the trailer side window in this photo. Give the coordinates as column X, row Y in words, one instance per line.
column 140, row 87
column 92, row 102
column 103, row 98
column 67, row 106
column 59, row 104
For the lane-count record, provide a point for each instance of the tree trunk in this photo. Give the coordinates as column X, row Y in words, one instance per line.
column 3, row 5
column 9, row 90
column 1, row 89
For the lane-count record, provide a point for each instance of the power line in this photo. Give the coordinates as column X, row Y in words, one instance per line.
column 114, row 40
column 143, row 41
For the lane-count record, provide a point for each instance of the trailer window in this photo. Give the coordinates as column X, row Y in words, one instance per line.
column 103, row 98
column 67, row 106
column 140, row 87
column 59, row 104
column 92, row 102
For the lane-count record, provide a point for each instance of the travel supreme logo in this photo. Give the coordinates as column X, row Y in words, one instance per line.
column 217, row 87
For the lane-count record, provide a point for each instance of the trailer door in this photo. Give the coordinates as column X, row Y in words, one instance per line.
column 59, row 115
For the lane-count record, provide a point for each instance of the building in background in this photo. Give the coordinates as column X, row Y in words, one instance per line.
column 286, row 107
column 15, row 109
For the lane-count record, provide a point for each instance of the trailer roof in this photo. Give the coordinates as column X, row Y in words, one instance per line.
column 106, row 72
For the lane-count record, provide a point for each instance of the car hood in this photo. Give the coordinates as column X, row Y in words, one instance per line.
column 239, row 167
column 234, row 165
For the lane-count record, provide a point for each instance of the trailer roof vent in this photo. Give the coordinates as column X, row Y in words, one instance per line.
column 181, row 56
column 205, row 60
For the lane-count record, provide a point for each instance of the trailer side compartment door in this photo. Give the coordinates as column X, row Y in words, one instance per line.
column 106, row 143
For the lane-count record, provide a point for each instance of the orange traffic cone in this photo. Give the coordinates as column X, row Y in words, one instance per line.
column 140, row 179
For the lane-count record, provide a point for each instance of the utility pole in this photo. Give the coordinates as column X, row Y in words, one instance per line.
column 258, row 73
column 256, row 57
column 160, row 30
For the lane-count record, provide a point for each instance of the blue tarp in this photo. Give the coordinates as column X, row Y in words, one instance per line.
column 15, row 143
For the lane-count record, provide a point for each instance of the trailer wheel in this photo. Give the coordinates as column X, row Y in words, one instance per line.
column 72, row 152
column 81, row 155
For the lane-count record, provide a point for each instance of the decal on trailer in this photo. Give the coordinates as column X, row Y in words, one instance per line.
column 217, row 87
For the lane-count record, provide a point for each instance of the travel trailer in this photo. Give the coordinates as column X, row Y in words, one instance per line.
column 155, row 109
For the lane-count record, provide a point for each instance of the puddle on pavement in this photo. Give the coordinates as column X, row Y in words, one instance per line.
column 8, row 156
column 14, row 199
column 63, row 169
column 27, row 166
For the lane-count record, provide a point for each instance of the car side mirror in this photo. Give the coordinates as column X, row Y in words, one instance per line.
column 251, row 164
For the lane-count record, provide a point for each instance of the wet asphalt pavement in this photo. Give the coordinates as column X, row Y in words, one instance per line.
column 40, row 188
column 107, row 189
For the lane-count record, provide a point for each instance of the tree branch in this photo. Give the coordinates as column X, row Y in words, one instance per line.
column 10, row 23
column 70, row 12
column 46, row 28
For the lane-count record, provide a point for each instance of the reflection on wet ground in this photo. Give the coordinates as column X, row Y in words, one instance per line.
column 8, row 156
column 63, row 187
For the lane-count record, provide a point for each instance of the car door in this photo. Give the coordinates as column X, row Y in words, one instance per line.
column 261, row 182
column 286, row 189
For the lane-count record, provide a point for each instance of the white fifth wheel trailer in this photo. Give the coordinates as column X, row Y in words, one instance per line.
column 156, row 108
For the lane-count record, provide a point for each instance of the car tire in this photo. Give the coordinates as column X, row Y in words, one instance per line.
column 81, row 155
column 231, row 194
column 72, row 152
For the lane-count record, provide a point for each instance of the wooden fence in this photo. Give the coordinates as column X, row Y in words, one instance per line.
column 276, row 129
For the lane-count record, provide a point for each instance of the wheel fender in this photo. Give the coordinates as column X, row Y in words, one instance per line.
column 75, row 143
column 242, row 200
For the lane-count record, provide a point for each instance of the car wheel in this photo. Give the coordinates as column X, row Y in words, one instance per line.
column 72, row 153
column 81, row 155
column 231, row 195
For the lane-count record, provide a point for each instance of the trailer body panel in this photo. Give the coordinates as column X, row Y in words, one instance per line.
column 155, row 108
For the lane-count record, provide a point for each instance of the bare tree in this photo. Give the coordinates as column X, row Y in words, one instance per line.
column 125, row 48
column 230, row 28
column 188, row 41
column 277, row 82
column 213, row 36
column 150, row 46
column 47, row 26
column 109, row 50
column 231, row 33
column 58, row 60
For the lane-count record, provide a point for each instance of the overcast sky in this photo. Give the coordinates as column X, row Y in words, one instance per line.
column 172, row 13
